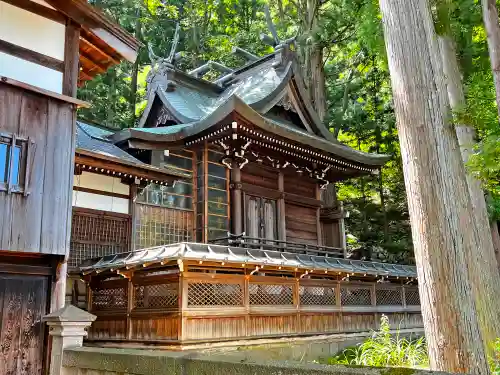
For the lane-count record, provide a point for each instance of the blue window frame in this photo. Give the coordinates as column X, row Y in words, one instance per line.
column 13, row 164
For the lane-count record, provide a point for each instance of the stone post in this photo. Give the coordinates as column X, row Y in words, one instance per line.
column 67, row 328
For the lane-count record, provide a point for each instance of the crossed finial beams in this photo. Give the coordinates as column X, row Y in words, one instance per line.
column 173, row 56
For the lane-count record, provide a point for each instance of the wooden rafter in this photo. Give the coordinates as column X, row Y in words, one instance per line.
column 87, row 60
column 99, row 50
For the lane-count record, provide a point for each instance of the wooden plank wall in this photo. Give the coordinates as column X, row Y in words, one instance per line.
column 39, row 222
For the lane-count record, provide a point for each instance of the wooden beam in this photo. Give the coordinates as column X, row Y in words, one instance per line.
column 32, row 56
column 93, row 46
column 119, row 166
column 38, row 9
column 71, row 59
column 38, row 90
column 100, row 192
column 90, row 62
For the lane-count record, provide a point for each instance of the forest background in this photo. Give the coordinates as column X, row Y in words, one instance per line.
column 341, row 47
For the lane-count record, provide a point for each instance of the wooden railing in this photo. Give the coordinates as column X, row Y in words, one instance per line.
column 278, row 245
column 204, row 307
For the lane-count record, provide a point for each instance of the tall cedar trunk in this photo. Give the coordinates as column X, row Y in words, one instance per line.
column 490, row 18
column 483, row 270
column 438, row 200
column 317, row 87
column 135, row 73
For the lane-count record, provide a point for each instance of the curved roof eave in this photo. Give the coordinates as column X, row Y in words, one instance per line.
column 235, row 104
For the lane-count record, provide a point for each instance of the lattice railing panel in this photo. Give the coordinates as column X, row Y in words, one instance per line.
column 202, row 294
column 412, row 297
column 156, row 296
column 317, row 296
column 389, row 297
column 355, row 296
column 110, row 299
column 270, row 294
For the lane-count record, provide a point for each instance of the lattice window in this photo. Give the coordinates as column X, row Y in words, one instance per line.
column 156, row 226
column 214, row 294
column 96, row 234
column 355, row 296
column 156, row 296
column 110, row 299
column 412, row 297
column 270, row 294
column 389, row 297
column 317, row 296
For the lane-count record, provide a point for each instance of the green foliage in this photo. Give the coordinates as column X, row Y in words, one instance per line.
column 495, row 361
column 384, row 349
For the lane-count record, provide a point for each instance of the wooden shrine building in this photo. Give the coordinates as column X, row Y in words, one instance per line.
column 47, row 47
column 260, row 251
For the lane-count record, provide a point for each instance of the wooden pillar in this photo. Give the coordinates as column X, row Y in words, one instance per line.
column 58, row 298
column 132, row 199
column 71, row 59
column 236, row 200
column 281, row 208
column 318, row 218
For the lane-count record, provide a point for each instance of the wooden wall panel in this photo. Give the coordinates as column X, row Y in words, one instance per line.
column 155, row 328
column 214, row 328
column 272, row 325
column 259, row 175
column 108, row 328
column 358, row 322
column 303, row 185
column 58, row 181
column 320, row 323
column 39, row 222
column 301, row 224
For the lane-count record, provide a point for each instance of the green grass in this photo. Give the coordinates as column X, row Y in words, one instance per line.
column 384, row 349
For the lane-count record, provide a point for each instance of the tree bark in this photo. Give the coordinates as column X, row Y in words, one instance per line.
column 135, row 72
column 483, row 268
column 490, row 19
column 439, row 205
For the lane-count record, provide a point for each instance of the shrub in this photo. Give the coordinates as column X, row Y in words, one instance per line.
column 385, row 350
column 495, row 362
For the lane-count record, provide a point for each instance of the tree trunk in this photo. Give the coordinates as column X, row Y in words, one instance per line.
column 439, row 205
column 490, row 18
column 483, row 270
column 135, row 73
column 496, row 239
column 317, row 85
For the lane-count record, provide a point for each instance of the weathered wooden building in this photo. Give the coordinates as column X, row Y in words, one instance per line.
column 46, row 49
column 257, row 250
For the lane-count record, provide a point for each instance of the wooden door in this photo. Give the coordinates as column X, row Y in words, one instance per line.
column 23, row 302
column 260, row 218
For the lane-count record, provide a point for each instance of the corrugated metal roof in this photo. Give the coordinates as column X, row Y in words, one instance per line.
column 238, row 255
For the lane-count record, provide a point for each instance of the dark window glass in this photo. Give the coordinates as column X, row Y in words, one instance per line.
column 217, row 208
column 217, row 183
column 217, row 196
column 216, row 233
column 216, row 170
column 217, row 222
column 215, row 157
column 179, row 162
column 178, row 196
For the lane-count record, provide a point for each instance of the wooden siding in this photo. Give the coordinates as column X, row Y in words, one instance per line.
column 39, row 222
column 301, row 223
